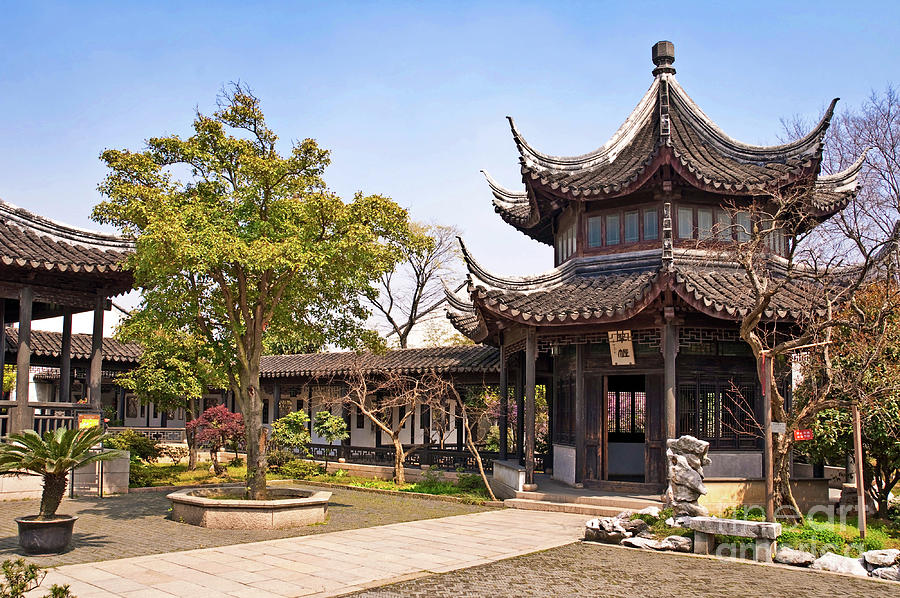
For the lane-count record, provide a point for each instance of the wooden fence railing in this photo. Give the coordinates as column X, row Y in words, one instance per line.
column 431, row 456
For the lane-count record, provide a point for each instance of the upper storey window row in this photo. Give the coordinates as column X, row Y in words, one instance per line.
column 623, row 227
column 565, row 243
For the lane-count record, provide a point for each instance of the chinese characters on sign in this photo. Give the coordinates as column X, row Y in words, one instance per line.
column 88, row 420
column 806, row 434
column 621, row 349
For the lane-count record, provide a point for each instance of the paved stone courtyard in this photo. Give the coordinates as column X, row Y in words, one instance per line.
column 136, row 524
column 325, row 565
column 582, row 569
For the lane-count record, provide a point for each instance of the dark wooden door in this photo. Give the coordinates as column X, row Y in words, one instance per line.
column 655, row 431
column 594, row 418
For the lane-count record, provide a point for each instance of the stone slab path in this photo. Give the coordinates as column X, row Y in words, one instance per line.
column 326, row 564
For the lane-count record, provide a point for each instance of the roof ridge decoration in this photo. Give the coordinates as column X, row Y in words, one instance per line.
column 59, row 231
column 813, row 141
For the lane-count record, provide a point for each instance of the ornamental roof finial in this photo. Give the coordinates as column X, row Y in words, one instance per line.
column 663, row 58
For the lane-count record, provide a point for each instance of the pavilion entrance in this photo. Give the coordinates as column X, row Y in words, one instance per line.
column 625, row 412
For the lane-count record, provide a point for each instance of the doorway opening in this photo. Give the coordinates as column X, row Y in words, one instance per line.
column 626, row 409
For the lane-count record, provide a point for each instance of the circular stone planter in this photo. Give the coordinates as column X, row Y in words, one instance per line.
column 286, row 507
column 45, row 537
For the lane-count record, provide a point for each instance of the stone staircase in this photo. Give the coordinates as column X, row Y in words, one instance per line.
column 584, row 502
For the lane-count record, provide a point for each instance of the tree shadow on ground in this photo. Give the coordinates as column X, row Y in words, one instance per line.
column 9, row 546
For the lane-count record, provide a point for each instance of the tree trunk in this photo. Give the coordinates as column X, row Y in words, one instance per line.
column 399, row 457
column 250, row 400
column 785, row 504
column 189, row 438
column 54, row 490
column 218, row 468
column 474, row 450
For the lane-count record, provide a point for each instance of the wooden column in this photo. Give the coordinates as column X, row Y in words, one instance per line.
column 503, row 422
column 65, row 364
column 530, row 359
column 670, row 348
column 276, row 399
column 460, row 430
column 97, row 356
column 24, row 414
column 520, row 409
column 580, row 415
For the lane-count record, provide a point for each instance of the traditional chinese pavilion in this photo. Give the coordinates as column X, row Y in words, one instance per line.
column 49, row 269
column 634, row 334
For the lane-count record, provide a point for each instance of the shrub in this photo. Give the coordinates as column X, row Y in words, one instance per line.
column 138, row 445
column 20, row 577
column 278, row 457
column 139, row 474
column 175, row 452
column 470, row 482
column 744, row 512
column 300, row 470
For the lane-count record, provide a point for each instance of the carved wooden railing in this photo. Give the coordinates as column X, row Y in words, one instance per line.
column 431, row 456
column 171, row 435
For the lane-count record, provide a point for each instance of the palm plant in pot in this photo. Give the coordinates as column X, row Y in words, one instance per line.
column 52, row 457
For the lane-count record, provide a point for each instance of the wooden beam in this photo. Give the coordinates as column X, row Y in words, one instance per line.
column 504, row 404
column 530, row 359
column 94, row 378
column 580, row 415
column 65, row 364
column 24, row 413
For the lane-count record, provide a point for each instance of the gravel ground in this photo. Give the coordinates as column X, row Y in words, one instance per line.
column 613, row 572
column 137, row 524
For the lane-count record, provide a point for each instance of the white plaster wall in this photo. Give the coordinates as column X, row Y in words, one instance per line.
column 564, row 463
column 510, row 474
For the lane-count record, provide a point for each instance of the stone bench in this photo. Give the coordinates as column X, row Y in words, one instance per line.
column 763, row 532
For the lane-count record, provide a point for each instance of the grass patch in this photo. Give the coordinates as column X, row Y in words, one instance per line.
column 169, row 474
column 466, row 488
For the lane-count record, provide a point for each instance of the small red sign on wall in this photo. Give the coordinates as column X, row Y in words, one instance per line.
column 803, row 434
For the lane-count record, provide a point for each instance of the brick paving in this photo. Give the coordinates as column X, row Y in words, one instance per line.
column 325, row 565
column 136, row 524
column 582, row 569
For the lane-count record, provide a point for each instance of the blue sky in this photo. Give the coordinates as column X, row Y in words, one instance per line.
column 410, row 97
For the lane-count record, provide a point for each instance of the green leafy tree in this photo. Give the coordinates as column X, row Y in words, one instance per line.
column 331, row 428
column 175, row 368
column 9, row 377
column 866, row 369
column 234, row 239
column 51, row 457
column 292, row 432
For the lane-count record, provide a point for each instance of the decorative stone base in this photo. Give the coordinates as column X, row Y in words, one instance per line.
column 288, row 507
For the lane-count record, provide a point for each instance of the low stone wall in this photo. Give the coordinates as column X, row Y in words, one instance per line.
column 287, row 507
column 564, row 464
column 508, row 478
column 726, row 492
column 86, row 482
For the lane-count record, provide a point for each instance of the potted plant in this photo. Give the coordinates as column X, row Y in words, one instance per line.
column 51, row 457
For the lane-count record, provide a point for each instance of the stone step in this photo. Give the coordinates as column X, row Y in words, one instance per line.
column 562, row 507
column 622, row 503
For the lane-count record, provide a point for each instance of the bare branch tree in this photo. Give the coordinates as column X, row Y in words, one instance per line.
column 412, row 293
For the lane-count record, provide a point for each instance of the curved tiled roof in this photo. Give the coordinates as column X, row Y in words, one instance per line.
column 614, row 288
column 666, row 127
column 443, row 360
column 31, row 241
column 49, row 344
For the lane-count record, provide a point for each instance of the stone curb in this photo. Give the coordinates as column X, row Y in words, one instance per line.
column 745, row 562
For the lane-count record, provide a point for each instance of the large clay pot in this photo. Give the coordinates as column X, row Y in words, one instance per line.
column 45, row 537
